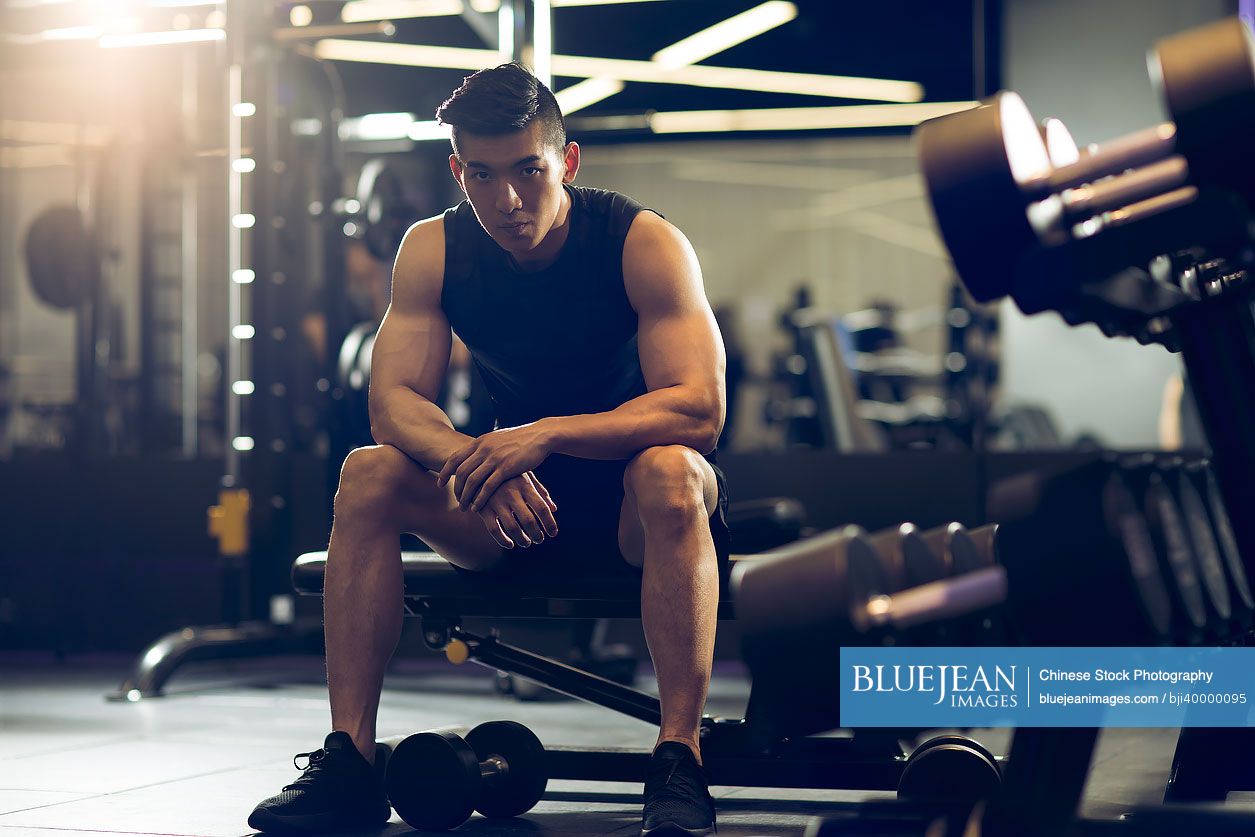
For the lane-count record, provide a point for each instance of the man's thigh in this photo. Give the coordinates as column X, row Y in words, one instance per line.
column 430, row 511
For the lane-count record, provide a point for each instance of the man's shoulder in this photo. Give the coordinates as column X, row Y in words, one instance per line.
column 420, row 261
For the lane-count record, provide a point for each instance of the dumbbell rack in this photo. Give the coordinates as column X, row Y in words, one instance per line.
column 1147, row 237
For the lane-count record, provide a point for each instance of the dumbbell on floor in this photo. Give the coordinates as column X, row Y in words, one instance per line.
column 436, row 779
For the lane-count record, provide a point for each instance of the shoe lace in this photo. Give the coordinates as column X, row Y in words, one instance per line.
column 676, row 784
column 315, row 764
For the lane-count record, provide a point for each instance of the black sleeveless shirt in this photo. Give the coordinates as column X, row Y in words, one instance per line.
column 555, row 342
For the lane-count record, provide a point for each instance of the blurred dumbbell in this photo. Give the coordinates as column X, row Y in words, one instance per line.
column 994, row 157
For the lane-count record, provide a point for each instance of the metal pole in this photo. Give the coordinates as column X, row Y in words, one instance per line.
column 190, row 256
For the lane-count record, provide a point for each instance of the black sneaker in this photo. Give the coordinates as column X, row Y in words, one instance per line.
column 337, row 789
column 677, row 799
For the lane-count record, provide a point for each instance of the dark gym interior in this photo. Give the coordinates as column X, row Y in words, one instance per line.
column 979, row 276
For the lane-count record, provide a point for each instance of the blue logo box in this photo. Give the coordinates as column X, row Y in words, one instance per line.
column 1047, row 687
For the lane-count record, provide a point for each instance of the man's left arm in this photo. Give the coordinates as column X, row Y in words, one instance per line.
column 682, row 359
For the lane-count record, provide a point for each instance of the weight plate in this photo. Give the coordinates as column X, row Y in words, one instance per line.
column 1206, row 79
column 1129, row 524
column 61, row 258
column 525, row 773
column 950, row 768
column 1226, row 540
column 973, row 163
column 981, row 550
column 1206, row 553
column 926, row 560
column 433, row 780
column 1173, row 548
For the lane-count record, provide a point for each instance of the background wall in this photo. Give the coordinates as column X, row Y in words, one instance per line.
column 1084, row 62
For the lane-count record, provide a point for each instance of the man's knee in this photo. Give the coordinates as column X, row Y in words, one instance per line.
column 373, row 479
column 668, row 485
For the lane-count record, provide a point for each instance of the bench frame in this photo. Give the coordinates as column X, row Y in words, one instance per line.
column 741, row 752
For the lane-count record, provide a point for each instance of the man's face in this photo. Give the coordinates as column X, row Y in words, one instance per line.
column 514, row 183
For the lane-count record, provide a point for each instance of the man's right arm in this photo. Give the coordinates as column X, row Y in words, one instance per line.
column 411, row 354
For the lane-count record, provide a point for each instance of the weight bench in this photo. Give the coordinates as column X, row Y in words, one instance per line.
column 755, row 751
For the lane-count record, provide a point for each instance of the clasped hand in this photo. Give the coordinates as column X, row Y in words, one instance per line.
column 492, row 477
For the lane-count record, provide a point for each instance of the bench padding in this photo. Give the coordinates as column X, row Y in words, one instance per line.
column 433, row 581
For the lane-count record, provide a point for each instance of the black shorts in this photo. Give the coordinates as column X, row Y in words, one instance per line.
column 589, row 496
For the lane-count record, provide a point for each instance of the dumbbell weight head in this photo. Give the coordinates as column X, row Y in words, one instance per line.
column 788, row 602
column 1206, row 79
column 520, row 781
column 975, row 165
column 1202, row 538
column 983, row 553
column 1172, row 545
column 433, row 780
column 901, row 552
column 950, row 768
column 1239, row 585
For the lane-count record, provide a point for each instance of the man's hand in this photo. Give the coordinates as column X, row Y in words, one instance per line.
column 484, row 465
column 520, row 513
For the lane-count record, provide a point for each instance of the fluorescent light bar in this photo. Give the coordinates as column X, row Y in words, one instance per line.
column 726, row 34
column 801, row 119
column 429, row 130
column 70, row 33
column 577, row 66
column 140, row 39
column 589, row 91
column 690, row 50
column 542, row 41
column 363, row 10
column 377, row 126
column 359, row 10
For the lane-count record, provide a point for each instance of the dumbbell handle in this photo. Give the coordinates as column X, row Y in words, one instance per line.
column 1122, row 190
column 492, row 767
column 1137, row 149
column 934, row 602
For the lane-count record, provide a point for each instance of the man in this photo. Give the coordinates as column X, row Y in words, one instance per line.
column 587, row 317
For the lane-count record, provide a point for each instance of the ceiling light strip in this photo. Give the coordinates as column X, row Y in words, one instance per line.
column 801, row 119
column 576, row 66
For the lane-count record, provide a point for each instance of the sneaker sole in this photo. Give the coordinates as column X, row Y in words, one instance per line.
column 271, row 823
column 670, row 829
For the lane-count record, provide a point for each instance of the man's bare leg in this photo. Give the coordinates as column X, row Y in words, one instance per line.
column 382, row 493
column 670, row 493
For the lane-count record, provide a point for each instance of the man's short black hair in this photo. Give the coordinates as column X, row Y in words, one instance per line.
column 502, row 100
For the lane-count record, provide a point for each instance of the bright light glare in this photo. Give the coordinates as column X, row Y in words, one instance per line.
column 141, row 39
column 243, row 387
column 801, row 119
column 587, row 92
column 242, row 443
column 244, row 109
column 243, row 276
column 363, row 10
column 244, row 165
column 430, row 130
column 726, row 34
column 243, row 332
column 301, row 16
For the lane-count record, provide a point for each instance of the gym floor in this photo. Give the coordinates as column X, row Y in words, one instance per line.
column 197, row 760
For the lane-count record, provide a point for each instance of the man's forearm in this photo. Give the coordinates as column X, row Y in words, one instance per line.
column 669, row 416
column 408, row 421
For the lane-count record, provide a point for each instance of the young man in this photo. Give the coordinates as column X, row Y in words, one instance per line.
column 587, row 318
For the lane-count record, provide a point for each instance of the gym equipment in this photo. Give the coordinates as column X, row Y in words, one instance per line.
column 436, row 779
column 62, row 258
column 905, row 555
column 1204, row 481
column 1202, row 539
column 1171, row 544
column 950, row 769
column 383, row 212
column 1180, row 176
column 1079, row 536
